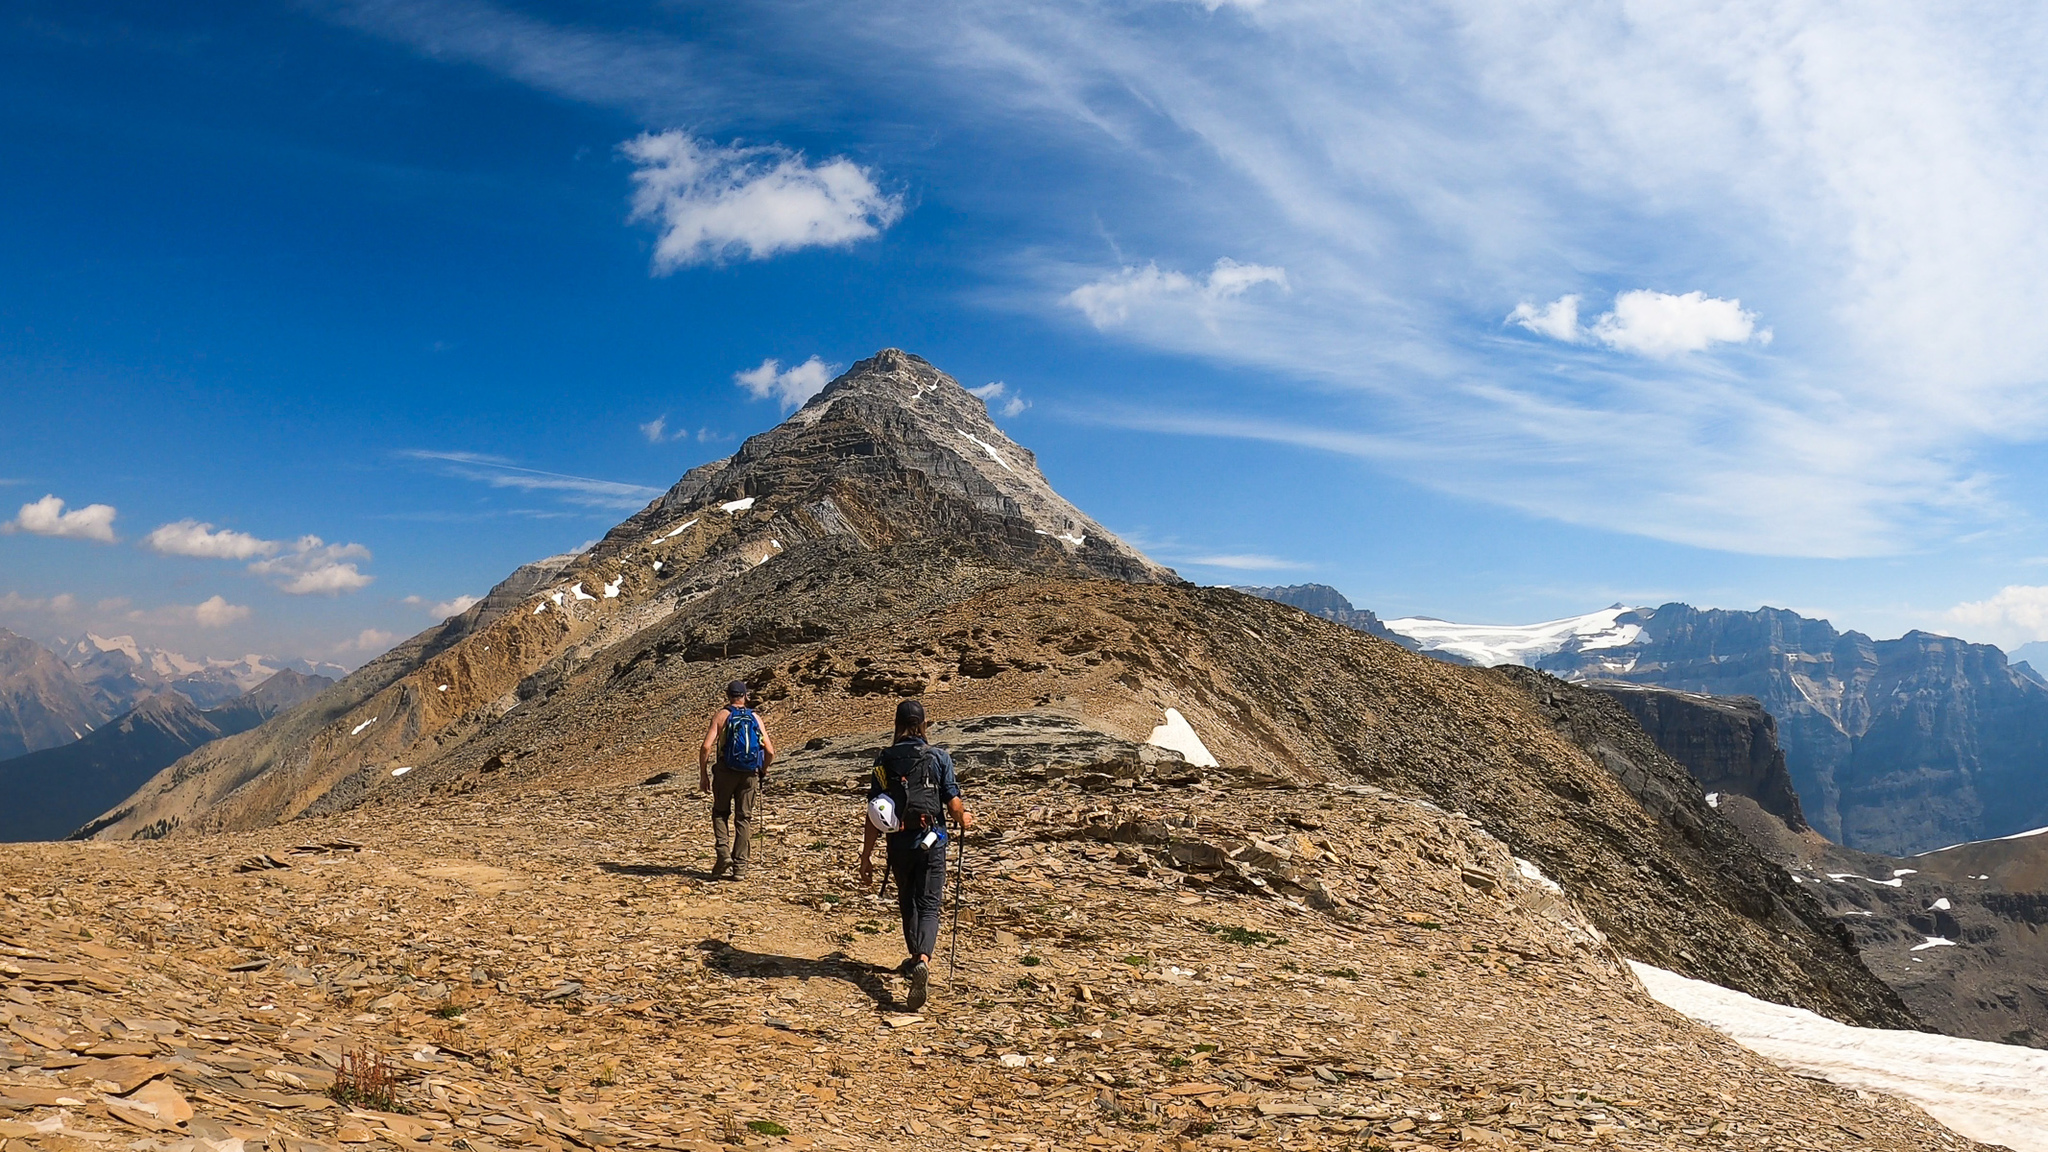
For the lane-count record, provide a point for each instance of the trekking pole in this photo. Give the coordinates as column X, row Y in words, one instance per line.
column 959, row 883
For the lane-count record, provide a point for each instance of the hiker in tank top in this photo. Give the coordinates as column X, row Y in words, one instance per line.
column 916, row 781
column 732, row 765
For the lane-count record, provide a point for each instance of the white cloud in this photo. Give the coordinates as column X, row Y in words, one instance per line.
column 1243, row 561
column 1661, row 324
column 47, row 517
column 1110, row 300
column 2016, row 615
column 1558, row 319
column 712, row 203
column 1646, row 322
column 374, row 641
column 788, row 386
column 216, row 612
column 14, row 603
column 455, row 607
column 193, row 538
column 301, row 567
column 499, row 472
column 656, row 430
column 313, row 566
column 997, row 390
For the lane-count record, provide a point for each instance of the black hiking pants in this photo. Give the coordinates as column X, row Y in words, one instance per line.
column 920, row 892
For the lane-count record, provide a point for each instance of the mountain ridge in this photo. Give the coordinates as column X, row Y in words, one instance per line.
column 887, row 541
column 47, row 794
column 1895, row 746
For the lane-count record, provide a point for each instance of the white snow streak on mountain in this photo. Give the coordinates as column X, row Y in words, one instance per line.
column 1490, row 644
column 1996, row 1093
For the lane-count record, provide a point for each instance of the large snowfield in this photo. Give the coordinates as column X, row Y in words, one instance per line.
column 1996, row 1093
column 1491, row 644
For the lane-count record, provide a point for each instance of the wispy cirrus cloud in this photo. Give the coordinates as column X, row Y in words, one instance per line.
column 499, row 472
column 1866, row 182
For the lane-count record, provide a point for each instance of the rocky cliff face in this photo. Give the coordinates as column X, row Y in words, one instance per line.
column 887, row 541
column 1328, row 603
column 1893, row 745
column 1728, row 744
column 46, row 795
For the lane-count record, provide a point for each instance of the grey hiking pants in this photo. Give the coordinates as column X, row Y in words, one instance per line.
column 733, row 795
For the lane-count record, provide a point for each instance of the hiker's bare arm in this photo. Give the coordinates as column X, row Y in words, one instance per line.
column 767, row 748
column 709, row 748
column 960, row 813
column 868, row 836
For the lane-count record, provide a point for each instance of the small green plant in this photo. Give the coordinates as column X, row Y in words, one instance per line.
column 767, row 1128
column 1421, row 972
column 817, row 846
column 1136, row 961
column 1432, row 925
column 869, row 927
column 1027, row 984
column 1205, row 1048
column 1342, row 973
column 1178, row 1061
column 1030, row 961
column 448, row 1011
column 1249, row 937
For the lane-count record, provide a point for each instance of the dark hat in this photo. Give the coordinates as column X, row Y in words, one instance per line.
column 736, row 689
column 908, row 713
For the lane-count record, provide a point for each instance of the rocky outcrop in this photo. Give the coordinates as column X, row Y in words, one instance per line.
column 1330, row 604
column 46, row 795
column 1729, row 744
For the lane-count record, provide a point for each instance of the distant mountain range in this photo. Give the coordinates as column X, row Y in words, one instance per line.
column 46, row 795
column 1895, row 746
column 53, row 696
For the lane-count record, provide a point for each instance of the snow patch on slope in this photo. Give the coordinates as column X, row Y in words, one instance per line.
column 1177, row 735
column 1491, row 644
column 1996, row 1093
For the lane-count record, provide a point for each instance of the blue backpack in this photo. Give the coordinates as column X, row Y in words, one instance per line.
column 740, row 747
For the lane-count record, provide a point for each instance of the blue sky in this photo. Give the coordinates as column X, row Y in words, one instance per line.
column 319, row 316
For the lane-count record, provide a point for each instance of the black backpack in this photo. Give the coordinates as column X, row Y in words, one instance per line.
column 912, row 770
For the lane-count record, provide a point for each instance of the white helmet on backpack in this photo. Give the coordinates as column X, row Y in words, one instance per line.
column 882, row 814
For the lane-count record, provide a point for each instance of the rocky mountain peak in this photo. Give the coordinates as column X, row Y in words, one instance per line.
column 891, row 451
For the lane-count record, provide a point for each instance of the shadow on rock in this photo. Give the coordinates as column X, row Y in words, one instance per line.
column 740, row 963
column 618, row 869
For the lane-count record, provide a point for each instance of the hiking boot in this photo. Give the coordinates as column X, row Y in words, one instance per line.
column 738, row 873
column 920, row 985
column 720, row 867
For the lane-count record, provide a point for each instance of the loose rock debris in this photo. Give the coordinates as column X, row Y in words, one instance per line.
column 1140, row 968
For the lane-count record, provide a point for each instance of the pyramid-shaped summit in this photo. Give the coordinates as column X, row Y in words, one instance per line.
column 892, row 451
column 890, row 487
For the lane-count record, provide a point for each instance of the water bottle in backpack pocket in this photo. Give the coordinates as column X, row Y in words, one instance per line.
column 740, row 748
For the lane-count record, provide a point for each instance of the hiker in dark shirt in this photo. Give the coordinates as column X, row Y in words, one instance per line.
column 732, row 765
column 916, row 780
